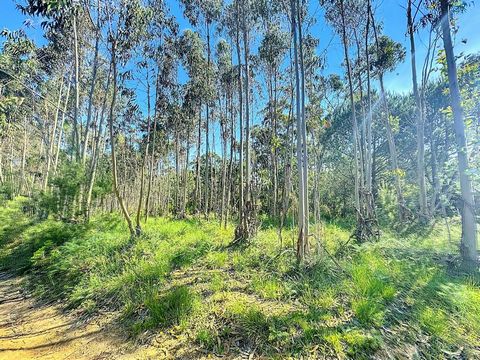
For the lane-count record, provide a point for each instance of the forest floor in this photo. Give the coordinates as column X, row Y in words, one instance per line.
column 38, row 330
column 179, row 292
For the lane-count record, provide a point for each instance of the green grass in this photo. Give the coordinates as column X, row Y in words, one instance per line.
column 267, row 288
column 172, row 308
column 180, row 276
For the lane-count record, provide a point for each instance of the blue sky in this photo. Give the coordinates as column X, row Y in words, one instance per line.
column 390, row 12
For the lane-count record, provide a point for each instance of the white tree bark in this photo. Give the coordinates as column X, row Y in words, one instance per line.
column 469, row 226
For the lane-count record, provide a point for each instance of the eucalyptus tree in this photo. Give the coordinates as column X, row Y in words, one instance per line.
column 369, row 120
column 388, row 54
column 62, row 21
column 18, row 65
column 420, row 113
column 316, row 121
column 208, row 12
column 126, row 27
column 238, row 21
column 161, row 50
column 342, row 15
column 417, row 20
column 271, row 52
column 246, row 21
column 469, row 226
column 359, row 23
column 226, row 79
column 192, row 54
column 231, row 24
column 302, row 157
column 99, row 140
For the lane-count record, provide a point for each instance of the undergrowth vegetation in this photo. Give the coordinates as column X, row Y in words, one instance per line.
column 400, row 296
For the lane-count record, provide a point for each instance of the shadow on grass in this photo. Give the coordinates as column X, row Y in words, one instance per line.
column 32, row 241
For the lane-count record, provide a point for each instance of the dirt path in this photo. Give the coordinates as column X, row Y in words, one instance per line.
column 32, row 331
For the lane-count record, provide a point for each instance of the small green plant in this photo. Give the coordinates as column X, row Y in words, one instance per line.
column 361, row 345
column 368, row 312
column 334, row 340
column 172, row 308
column 207, row 338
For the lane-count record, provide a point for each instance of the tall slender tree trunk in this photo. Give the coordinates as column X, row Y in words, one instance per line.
column 224, row 135
column 76, row 109
column 198, row 182
column 352, row 107
column 230, row 164
column 369, row 146
column 177, row 171
column 24, row 182
column 434, row 166
column 60, row 134
column 390, row 138
column 138, row 226
column 287, row 173
column 420, row 119
column 185, row 175
column 152, row 155
column 92, row 89
column 96, row 152
column 112, row 145
column 246, row 53
column 51, row 142
column 304, row 132
column 208, row 165
column 275, row 149
column 213, row 177
column 303, row 235
column 469, row 226
column 361, row 131
column 240, row 116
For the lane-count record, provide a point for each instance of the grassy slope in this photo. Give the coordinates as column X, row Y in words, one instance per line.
column 396, row 297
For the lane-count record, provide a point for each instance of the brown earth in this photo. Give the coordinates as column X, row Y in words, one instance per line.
column 29, row 330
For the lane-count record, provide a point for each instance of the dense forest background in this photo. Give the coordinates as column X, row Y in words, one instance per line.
column 97, row 120
column 237, row 123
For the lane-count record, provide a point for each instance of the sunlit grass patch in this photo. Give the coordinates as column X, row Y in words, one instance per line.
column 368, row 312
column 334, row 235
column 361, row 344
column 435, row 322
column 372, row 286
column 172, row 307
column 215, row 259
column 217, row 283
column 447, row 308
column 320, row 301
column 334, row 340
column 163, row 310
column 373, row 277
column 267, row 288
column 464, row 299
